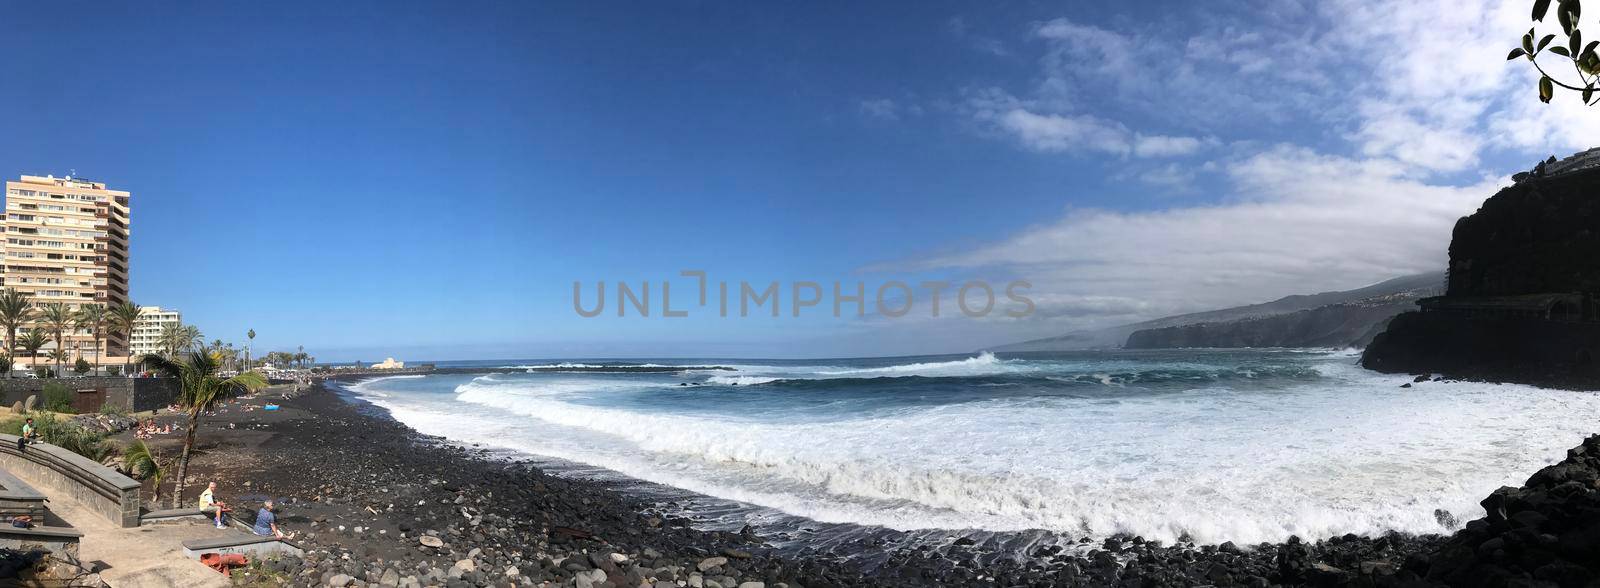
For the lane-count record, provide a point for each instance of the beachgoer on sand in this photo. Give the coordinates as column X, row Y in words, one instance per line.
column 209, row 504
column 266, row 523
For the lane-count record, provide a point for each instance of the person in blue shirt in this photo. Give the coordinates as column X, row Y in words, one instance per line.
column 266, row 523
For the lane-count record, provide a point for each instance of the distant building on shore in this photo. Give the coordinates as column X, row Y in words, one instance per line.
column 147, row 330
column 66, row 241
column 389, row 364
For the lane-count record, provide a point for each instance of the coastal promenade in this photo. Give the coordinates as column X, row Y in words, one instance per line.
column 147, row 556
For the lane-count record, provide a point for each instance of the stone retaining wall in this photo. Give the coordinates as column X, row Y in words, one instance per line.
column 56, row 471
column 130, row 394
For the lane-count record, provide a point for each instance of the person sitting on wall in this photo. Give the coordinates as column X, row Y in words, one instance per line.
column 30, row 434
column 266, row 523
column 210, row 505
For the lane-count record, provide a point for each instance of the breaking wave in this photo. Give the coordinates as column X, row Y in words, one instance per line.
column 1216, row 447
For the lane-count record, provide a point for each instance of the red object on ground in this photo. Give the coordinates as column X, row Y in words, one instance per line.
column 224, row 562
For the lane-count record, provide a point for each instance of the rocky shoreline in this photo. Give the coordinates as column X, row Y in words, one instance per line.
column 375, row 503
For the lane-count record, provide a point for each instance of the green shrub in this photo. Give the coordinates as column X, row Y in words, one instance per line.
column 107, row 408
column 41, row 372
column 81, row 367
column 68, row 436
column 57, row 398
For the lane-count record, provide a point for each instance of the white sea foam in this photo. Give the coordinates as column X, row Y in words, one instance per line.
column 1346, row 453
column 742, row 380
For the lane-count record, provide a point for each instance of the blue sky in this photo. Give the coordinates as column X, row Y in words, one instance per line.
column 427, row 180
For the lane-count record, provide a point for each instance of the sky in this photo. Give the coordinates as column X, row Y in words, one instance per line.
column 428, row 180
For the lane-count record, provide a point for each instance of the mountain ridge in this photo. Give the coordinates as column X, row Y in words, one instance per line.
column 1117, row 336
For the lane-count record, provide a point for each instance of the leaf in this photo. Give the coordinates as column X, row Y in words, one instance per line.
column 1566, row 18
column 1547, row 89
column 1575, row 41
column 1515, row 53
column 1545, row 41
column 1539, row 8
column 1588, row 93
column 1527, row 43
column 1559, row 50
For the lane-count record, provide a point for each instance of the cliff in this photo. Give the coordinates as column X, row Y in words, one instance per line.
column 1520, row 305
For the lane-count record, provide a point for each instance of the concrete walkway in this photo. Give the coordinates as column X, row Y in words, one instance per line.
column 138, row 557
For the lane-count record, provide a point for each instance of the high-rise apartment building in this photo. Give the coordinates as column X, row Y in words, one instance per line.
column 66, row 241
column 153, row 320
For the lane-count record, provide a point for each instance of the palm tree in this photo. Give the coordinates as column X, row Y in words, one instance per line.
column 143, row 463
column 252, row 336
column 56, row 318
column 189, row 337
column 16, row 309
column 123, row 319
column 199, row 387
column 60, row 356
column 6, row 362
column 33, row 341
column 169, row 338
column 94, row 318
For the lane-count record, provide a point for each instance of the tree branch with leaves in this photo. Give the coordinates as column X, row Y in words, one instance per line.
column 1585, row 58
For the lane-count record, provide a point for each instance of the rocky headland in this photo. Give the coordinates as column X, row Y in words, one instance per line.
column 1521, row 300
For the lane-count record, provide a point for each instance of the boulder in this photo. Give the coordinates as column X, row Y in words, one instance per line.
column 33, row 401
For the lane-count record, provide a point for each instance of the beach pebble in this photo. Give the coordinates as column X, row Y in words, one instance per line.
column 430, row 541
column 711, row 562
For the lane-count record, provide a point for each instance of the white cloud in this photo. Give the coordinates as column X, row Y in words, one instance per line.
column 1294, row 222
column 1050, row 132
column 1164, row 146
column 881, row 108
column 1077, row 133
column 959, row 28
column 1401, row 99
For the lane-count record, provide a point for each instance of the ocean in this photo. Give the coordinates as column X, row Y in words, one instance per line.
column 1204, row 445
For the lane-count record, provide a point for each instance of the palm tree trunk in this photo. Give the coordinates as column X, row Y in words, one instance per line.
column 183, row 460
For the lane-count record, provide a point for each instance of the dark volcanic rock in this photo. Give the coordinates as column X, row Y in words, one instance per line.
column 1523, row 296
column 1547, row 531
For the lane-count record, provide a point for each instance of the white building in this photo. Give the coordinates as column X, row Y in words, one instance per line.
column 147, row 330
